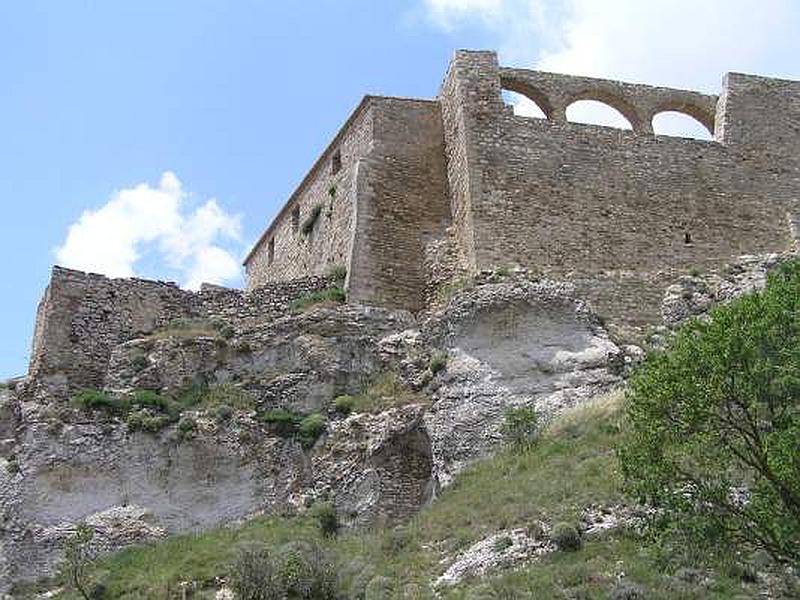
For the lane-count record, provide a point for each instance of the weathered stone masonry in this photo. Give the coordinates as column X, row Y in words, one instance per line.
column 82, row 317
column 461, row 184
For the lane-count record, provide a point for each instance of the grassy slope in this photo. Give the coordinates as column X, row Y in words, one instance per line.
column 572, row 467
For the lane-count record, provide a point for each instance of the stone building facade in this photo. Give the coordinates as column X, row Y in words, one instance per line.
column 413, row 192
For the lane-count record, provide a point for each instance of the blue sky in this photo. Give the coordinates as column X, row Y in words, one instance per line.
column 158, row 137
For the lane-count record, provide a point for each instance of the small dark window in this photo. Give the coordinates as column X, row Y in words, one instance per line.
column 687, row 238
column 295, row 219
column 271, row 252
column 336, row 162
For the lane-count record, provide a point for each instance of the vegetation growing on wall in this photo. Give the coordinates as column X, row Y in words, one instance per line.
column 330, row 296
column 190, row 328
column 150, row 411
column 306, row 428
column 381, row 393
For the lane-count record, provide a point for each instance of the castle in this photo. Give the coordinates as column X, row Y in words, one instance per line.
column 412, row 198
column 412, row 192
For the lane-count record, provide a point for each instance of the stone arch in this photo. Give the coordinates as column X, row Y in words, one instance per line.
column 701, row 115
column 613, row 100
column 531, row 92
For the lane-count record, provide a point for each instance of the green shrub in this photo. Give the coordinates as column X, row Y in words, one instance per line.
column 91, row 399
column 149, row 399
column 719, row 410
column 338, row 272
column 332, row 190
column 284, row 422
column 395, row 541
column 306, row 572
column 296, row 570
column 187, row 426
column 383, row 392
column 327, row 519
column 310, row 428
column 438, row 362
column 566, row 537
column 223, row 413
column 210, row 396
column 253, row 575
column 521, row 427
column 344, row 404
column 143, row 420
column 331, row 295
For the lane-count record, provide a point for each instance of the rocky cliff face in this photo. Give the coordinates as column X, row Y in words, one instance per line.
column 506, row 341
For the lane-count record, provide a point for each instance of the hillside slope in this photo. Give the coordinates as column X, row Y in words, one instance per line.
column 512, row 501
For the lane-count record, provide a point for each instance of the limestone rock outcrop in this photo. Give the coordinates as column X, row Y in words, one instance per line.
column 501, row 340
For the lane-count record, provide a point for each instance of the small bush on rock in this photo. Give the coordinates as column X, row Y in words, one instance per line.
column 326, row 517
column 91, row 399
column 331, row 295
column 521, row 427
column 150, row 399
column 438, row 362
column 144, row 420
column 187, row 426
column 566, row 537
column 223, row 413
column 284, row 422
column 344, row 404
column 310, row 428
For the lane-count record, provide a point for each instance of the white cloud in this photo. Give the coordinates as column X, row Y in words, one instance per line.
column 679, row 43
column 448, row 13
column 142, row 220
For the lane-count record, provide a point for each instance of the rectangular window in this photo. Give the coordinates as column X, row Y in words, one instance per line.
column 271, row 252
column 336, row 162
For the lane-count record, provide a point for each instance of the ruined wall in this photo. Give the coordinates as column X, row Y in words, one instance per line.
column 401, row 204
column 313, row 231
column 616, row 208
column 83, row 316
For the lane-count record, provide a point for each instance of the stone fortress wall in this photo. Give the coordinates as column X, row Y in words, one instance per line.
column 82, row 317
column 461, row 184
column 382, row 177
column 620, row 212
column 413, row 192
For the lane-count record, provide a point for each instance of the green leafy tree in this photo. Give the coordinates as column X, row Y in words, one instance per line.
column 714, row 427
